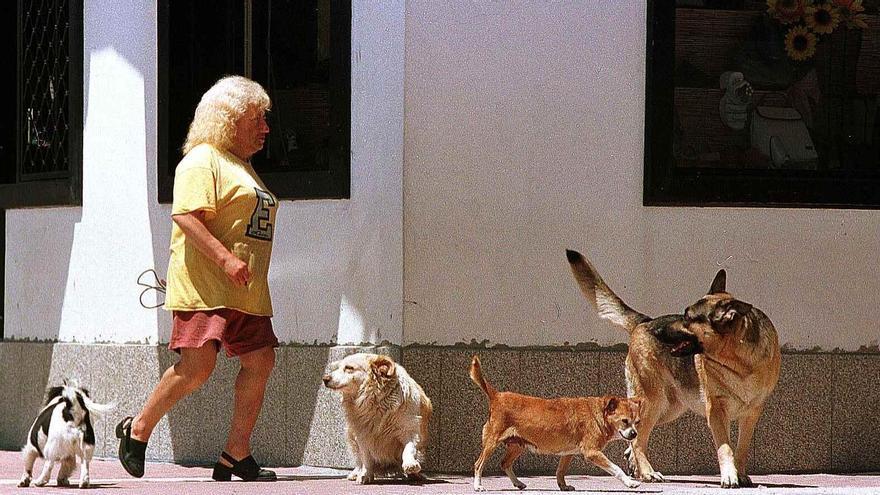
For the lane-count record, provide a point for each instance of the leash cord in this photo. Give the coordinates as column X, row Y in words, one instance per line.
column 157, row 285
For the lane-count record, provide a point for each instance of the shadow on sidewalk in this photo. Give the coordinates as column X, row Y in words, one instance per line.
column 383, row 481
column 714, row 482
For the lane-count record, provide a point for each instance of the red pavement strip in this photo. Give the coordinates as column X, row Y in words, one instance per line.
column 165, row 478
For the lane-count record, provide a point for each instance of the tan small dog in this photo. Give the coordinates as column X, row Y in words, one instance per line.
column 386, row 414
column 565, row 427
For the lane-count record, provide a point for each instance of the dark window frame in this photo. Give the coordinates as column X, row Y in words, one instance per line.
column 668, row 185
column 293, row 185
column 64, row 189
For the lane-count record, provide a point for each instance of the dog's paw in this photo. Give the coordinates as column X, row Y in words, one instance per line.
column 417, row 477
column 566, row 488
column 62, row 482
column 25, row 482
column 364, row 478
column 353, row 475
column 519, row 485
column 479, row 488
column 411, row 467
column 654, row 477
column 40, row 482
column 745, row 481
column 729, row 480
column 631, row 483
column 84, row 483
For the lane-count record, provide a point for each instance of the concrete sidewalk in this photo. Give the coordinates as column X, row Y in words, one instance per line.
column 109, row 477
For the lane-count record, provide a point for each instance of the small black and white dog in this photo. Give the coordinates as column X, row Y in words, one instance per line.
column 61, row 433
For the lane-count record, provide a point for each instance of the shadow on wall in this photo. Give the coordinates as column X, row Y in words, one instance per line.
column 198, row 425
column 300, row 423
column 37, row 270
column 22, row 387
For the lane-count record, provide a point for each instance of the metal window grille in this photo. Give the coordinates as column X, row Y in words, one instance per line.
column 45, row 95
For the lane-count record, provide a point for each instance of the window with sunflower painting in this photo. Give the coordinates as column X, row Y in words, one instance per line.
column 763, row 102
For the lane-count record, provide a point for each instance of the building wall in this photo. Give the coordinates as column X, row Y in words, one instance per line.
column 337, row 268
column 821, row 418
column 524, row 137
column 487, row 137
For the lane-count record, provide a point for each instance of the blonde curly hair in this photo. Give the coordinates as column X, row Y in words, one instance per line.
column 219, row 109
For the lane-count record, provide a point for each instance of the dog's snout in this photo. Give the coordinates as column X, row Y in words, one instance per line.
column 629, row 434
column 326, row 379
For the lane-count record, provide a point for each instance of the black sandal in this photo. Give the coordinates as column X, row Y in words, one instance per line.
column 131, row 451
column 246, row 469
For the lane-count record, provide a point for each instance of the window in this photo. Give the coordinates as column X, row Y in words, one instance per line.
column 299, row 50
column 41, row 125
column 763, row 103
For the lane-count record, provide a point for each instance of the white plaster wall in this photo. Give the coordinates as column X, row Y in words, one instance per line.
column 38, row 249
column 524, row 136
column 337, row 269
column 524, row 124
column 337, row 266
column 97, row 251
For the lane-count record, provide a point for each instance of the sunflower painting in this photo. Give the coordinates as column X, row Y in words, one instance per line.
column 800, row 43
column 852, row 13
column 760, row 91
column 822, row 19
column 786, row 11
column 808, row 20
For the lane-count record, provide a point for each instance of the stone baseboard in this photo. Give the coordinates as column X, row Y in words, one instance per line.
column 820, row 419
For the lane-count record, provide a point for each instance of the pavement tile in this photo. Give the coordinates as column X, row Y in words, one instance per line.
column 298, row 372
column 794, row 432
column 465, row 408
column 551, row 373
column 425, row 367
column 17, row 414
column 856, row 407
column 326, row 444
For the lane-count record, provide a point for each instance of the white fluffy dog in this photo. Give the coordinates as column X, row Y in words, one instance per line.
column 387, row 415
column 61, row 433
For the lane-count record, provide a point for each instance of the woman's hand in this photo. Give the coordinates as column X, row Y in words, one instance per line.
column 236, row 270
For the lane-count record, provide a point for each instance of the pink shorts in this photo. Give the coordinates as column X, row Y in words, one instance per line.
column 239, row 333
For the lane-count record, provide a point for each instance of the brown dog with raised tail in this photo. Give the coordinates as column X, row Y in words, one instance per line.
column 565, row 427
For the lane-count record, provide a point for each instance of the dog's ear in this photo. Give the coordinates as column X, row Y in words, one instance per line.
column 720, row 282
column 51, row 393
column 729, row 312
column 383, row 367
column 610, row 405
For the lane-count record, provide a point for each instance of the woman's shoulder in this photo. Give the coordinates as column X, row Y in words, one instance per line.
column 203, row 155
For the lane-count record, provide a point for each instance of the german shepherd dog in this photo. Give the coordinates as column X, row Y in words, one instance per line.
column 719, row 359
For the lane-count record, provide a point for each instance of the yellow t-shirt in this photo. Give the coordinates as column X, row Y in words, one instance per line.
column 240, row 213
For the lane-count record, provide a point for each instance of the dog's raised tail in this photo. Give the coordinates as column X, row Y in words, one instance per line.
column 98, row 409
column 477, row 377
column 607, row 304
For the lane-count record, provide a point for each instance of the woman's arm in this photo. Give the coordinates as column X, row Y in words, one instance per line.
column 193, row 226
